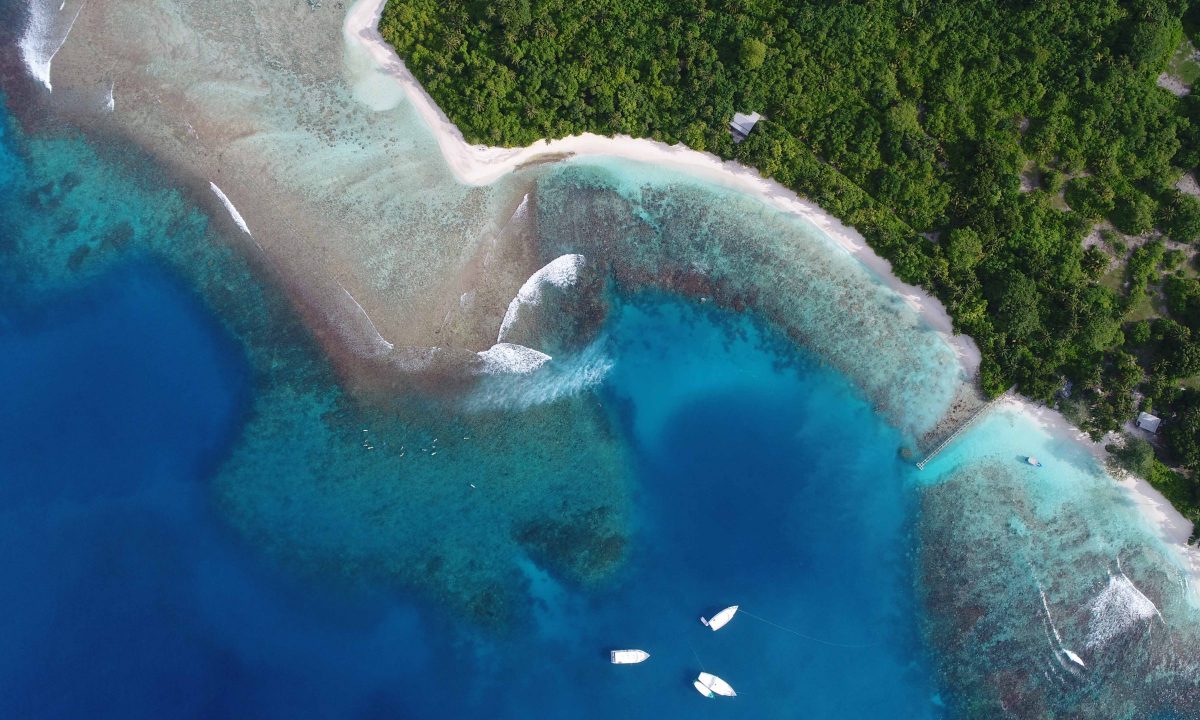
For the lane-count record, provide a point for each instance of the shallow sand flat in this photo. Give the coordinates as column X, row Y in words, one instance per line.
column 255, row 100
column 1172, row 528
column 329, row 162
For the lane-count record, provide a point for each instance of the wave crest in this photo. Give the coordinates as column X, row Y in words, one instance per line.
column 1118, row 607
column 44, row 37
column 504, row 358
column 561, row 272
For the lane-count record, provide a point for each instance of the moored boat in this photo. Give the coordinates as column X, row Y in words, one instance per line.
column 721, row 619
column 628, row 657
column 1033, row 461
column 710, row 685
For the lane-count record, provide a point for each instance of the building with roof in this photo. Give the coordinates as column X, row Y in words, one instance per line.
column 742, row 124
column 1148, row 422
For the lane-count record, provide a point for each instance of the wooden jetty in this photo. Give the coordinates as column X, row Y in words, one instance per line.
column 962, row 428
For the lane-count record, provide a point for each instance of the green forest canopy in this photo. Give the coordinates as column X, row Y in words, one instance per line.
column 910, row 120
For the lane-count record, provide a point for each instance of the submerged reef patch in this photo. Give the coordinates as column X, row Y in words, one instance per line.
column 415, row 491
column 1044, row 601
column 680, row 236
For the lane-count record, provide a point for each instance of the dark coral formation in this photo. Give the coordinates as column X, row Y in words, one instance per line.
column 742, row 255
column 1022, row 627
column 577, row 544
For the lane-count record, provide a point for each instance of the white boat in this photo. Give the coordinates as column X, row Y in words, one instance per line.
column 710, row 685
column 1033, row 461
column 628, row 657
column 721, row 619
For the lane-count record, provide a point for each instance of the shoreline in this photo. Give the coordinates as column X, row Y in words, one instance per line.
column 480, row 165
column 1171, row 527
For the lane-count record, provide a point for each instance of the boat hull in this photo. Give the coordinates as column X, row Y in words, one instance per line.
column 628, row 657
column 713, row 685
column 721, row 619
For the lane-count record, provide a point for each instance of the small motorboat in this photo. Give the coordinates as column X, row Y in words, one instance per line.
column 1033, row 461
column 710, row 685
column 721, row 619
column 628, row 657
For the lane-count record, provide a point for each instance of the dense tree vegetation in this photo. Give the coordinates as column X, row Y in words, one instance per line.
column 910, row 120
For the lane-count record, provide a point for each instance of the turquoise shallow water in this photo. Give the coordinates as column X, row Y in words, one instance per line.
column 200, row 528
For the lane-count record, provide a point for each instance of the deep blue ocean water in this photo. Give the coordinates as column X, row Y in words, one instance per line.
column 122, row 596
column 762, row 479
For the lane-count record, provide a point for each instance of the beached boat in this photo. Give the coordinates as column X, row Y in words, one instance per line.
column 721, row 619
column 710, row 685
column 628, row 657
column 1033, row 461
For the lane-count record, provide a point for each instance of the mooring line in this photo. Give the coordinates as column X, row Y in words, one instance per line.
column 797, row 633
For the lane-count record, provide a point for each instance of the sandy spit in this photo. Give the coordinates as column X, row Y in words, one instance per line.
column 481, row 164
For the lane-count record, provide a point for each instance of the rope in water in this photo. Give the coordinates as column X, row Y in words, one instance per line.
column 799, row 634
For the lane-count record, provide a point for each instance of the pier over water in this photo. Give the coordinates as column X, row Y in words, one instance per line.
column 962, row 428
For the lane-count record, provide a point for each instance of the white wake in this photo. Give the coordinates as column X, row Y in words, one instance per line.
column 1060, row 646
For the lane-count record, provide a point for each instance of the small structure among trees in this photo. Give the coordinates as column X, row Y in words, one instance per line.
column 1148, row 422
column 742, row 124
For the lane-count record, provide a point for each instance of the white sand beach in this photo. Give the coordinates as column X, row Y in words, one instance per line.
column 1170, row 526
column 480, row 165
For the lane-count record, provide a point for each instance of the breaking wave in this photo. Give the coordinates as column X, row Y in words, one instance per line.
column 561, row 272
column 1118, row 607
column 511, row 358
column 378, row 345
column 42, row 39
column 233, row 211
column 544, row 384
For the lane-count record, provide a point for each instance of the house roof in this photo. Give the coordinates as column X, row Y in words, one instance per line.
column 1148, row 422
column 743, row 123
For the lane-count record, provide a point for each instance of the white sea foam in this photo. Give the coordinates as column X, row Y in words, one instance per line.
column 111, row 103
column 1119, row 607
column 43, row 38
column 522, row 209
column 510, row 358
column 233, row 211
column 380, row 345
column 561, row 272
column 564, row 377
